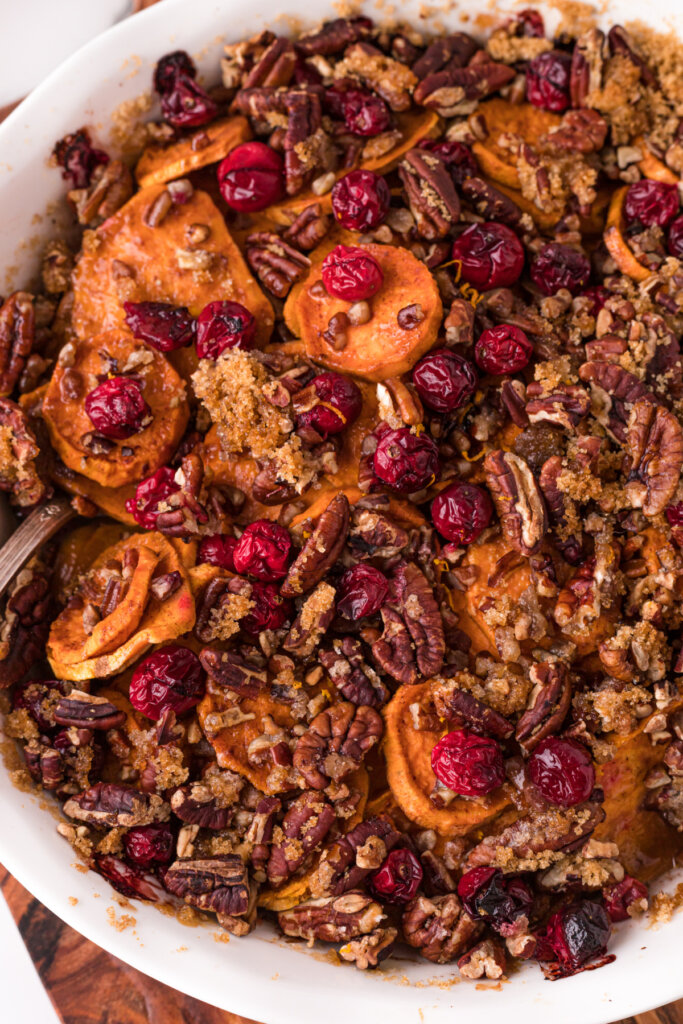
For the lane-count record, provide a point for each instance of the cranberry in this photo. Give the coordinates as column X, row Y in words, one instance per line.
column 351, row 273
column 458, row 157
column 622, row 895
column 562, row 771
column 251, row 177
column 222, row 325
column 406, row 461
column 263, row 551
column 117, row 409
column 444, row 380
column 491, row 255
column 468, row 764
column 172, row 678
column 339, row 405
column 184, row 104
column 503, row 349
column 270, row 611
column 169, row 67
column 675, row 240
column 597, row 295
column 125, row 878
column 489, row 895
column 148, row 845
column 531, row 23
column 77, row 158
column 461, row 512
column 144, row 507
column 574, row 935
column 365, row 113
column 360, row 200
column 399, row 877
column 160, row 325
column 547, row 80
column 674, row 515
column 558, row 266
column 651, row 203
column 362, row 592
column 218, row 549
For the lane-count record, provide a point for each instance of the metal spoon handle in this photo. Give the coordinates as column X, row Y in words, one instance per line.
column 38, row 527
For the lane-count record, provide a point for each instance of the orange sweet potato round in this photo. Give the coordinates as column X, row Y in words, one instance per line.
column 616, row 243
column 78, row 371
column 205, row 146
column 651, row 167
column 379, row 348
column 127, row 260
column 530, row 123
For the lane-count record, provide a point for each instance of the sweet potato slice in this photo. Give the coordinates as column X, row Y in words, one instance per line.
column 380, row 348
column 129, row 260
column 651, row 167
column 411, row 779
column 136, row 457
column 79, row 550
column 491, row 583
column 205, row 146
column 112, row 501
column 616, row 243
column 502, row 118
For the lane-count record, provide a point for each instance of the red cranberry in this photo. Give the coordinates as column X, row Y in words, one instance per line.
column 270, row 610
column 651, row 203
column 351, row 273
column 574, row 935
column 340, row 403
column 547, row 80
column 223, row 325
column 468, row 764
column 674, row 515
column 531, row 23
column 160, row 325
column 184, row 104
column 360, row 200
column 218, row 549
column 169, row 67
column 444, row 380
column 172, row 678
column 458, row 157
column 78, row 159
column 562, row 771
column 675, row 240
column 149, row 845
column 406, row 461
column 399, row 877
column 251, row 177
column 117, row 409
column 497, row 899
column 263, row 551
column 622, row 895
column 362, row 592
column 503, row 349
column 125, row 878
column 597, row 295
column 461, row 512
column 558, row 266
column 149, row 494
column 365, row 113
column 491, row 255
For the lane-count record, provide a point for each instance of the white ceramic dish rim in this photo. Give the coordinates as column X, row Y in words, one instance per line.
column 261, row 977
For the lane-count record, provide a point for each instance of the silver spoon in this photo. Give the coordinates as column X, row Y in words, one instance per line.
column 41, row 524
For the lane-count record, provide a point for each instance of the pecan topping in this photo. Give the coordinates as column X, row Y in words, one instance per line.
column 533, row 837
column 309, row 228
column 25, row 623
column 185, row 511
column 369, row 950
column 229, row 670
column 614, row 391
column 18, row 454
column 220, row 606
column 485, row 960
column 218, row 884
column 198, row 804
column 336, row 742
column 308, row 820
column 393, row 651
column 422, row 617
column 654, row 440
column 581, row 131
column 354, row 678
column 87, row 710
column 276, row 264
column 390, row 79
column 321, row 550
column 558, row 505
column 312, row 622
column 108, row 804
column 587, row 64
column 459, row 707
column 518, row 500
column 17, row 325
column 334, row 36
column 57, row 265
column 490, row 203
column 439, row 927
column 332, row 918
column 430, row 192
column 110, row 187
column 549, row 702
column 447, row 90
column 275, row 67
column 374, row 535
column 445, row 54
column 350, row 859
column 565, row 408
column 45, row 765
column 459, row 324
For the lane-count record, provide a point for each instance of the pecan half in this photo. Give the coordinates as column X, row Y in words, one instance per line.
column 87, row 710
column 184, row 513
column 334, row 36
column 459, row 707
column 45, row 764
column 25, row 623
column 430, row 192
column 654, row 440
column 347, row 861
column 229, row 670
column 354, row 678
column 312, row 622
column 614, row 390
column 308, row 820
column 393, row 651
column 538, row 833
column 17, row 327
column 321, row 550
column 549, row 702
column 565, row 408
column 446, row 53
column 336, row 742
column 110, row 187
column 332, row 918
column 558, row 504
column 309, row 228
column 218, row 884
column 439, row 927
column 587, row 64
column 275, row 66
column 375, row 535
column 446, row 90
column 580, row 131
column 459, row 324
column 276, row 264
column 198, row 804
column 420, row 611
column 389, row 78
column 369, row 950
column 490, row 203
column 109, row 804
column 518, row 500
column 18, row 454
column 485, row 960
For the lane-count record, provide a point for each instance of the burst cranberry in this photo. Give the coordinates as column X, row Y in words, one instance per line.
column 117, row 409
column 675, row 240
column 461, row 512
column 270, row 611
column 399, row 877
column 547, row 80
column 651, row 203
column 623, row 895
column 169, row 67
column 360, row 200
column 503, row 349
column 78, row 159
column 172, row 678
column 562, row 771
column 263, row 551
column 251, row 177
column 558, row 266
column 574, row 935
column 160, row 325
column 444, row 380
column 339, row 405
column 125, row 878
column 531, row 23
column 362, row 592
column 489, row 895
column 365, row 113
column 406, row 461
column 458, row 157
column 149, row 845
column 218, row 549
column 351, row 273
column 674, row 515
column 149, row 494
column 184, row 104
column 468, row 764
column 490, row 255
column 597, row 296
column 223, row 325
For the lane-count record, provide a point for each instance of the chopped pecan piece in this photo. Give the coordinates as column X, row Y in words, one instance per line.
column 581, row 131
column 459, row 324
column 354, row 678
column 558, row 504
column 312, row 622
column 108, row 804
column 184, row 513
column 445, row 53
column 389, row 78
column 336, row 742
column 334, row 36
column 369, row 950
column 614, row 392
column 549, row 702
column 518, row 500
column 430, row 192
column 25, row 623
column 490, row 203
column 485, row 960
column 275, row 67
column 308, row 820
column 587, row 66
column 89, row 711
column 332, row 918
column 17, row 326
column 18, row 454
column 209, row 806
column 229, row 670
column 459, row 707
column 654, row 441
column 565, row 408
column 309, row 228
column 439, row 927
column 375, row 535
column 218, row 884
column 110, row 187
column 45, row 764
column 448, row 90
column 532, row 837
column 321, row 550
column 276, row 264
column 57, row 265
column 393, row 650
column 350, row 859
